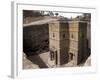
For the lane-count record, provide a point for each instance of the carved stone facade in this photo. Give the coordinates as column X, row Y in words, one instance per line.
column 58, row 41
column 67, row 42
column 77, row 41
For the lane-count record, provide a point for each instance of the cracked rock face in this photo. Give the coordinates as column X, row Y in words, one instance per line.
column 35, row 39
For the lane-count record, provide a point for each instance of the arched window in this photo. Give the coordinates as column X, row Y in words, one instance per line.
column 53, row 35
column 63, row 35
column 72, row 36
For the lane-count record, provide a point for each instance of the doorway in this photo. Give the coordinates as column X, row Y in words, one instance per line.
column 54, row 56
column 70, row 56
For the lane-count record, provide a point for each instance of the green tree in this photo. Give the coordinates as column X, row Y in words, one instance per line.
column 56, row 14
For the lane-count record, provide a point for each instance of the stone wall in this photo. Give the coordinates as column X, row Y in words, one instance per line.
column 35, row 39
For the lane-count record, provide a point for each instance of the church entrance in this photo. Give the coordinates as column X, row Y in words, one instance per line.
column 54, row 57
column 71, row 56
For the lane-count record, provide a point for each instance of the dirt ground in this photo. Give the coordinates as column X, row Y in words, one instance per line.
column 41, row 61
